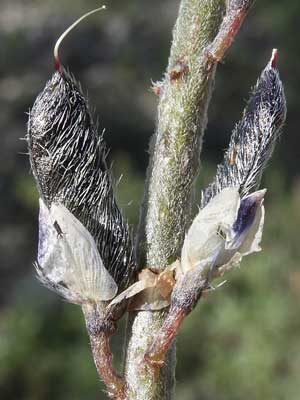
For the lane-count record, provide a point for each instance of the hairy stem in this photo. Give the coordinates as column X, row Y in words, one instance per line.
column 103, row 361
column 200, row 39
column 186, row 293
column 155, row 355
column 103, row 358
column 235, row 14
column 182, row 114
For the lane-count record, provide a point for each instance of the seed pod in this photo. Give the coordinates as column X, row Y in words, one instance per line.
column 254, row 137
column 230, row 222
column 68, row 159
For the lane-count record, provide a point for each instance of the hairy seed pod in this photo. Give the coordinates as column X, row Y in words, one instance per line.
column 254, row 137
column 68, row 159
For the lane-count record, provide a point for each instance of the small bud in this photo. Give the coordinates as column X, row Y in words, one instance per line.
column 178, row 70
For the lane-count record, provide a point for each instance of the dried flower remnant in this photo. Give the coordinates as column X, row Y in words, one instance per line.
column 225, row 227
column 68, row 258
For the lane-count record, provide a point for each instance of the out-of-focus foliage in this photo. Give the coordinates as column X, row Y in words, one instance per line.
column 243, row 340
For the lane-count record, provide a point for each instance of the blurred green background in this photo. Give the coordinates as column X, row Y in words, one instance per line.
column 243, row 340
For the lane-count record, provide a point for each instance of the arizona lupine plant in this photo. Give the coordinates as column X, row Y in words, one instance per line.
column 85, row 250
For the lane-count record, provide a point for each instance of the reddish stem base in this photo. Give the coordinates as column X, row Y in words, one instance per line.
column 102, row 354
column 236, row 12
column 156, row 353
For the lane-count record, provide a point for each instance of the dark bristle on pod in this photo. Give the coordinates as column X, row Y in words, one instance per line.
column 68, row 159
column 254, row 137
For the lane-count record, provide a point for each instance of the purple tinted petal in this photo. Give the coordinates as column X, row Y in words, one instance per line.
column 247, row 212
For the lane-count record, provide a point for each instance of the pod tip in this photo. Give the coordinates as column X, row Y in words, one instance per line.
column 274, row 58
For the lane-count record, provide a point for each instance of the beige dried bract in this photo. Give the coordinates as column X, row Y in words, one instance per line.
column 152, row 291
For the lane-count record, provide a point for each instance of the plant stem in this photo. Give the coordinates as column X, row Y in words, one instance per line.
column 175, row 151
column 156, row 352
column 103, row 358
column 103, row 361
column 187, row 290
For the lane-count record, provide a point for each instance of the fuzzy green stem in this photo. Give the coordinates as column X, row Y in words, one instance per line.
column 182, row 118
column 200, row 39
column 175, row 151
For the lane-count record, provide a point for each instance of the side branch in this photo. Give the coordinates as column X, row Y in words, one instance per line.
column 100, row 330
column 235, row 14
column 103, row 361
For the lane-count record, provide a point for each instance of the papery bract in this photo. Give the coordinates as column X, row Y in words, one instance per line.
column 68, row 258
column 223, row 231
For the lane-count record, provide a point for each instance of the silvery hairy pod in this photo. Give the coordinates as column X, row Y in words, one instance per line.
column 254, row 137
column 230, row 221
column 78, row 211
column 229, row 225
column 85, row 252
